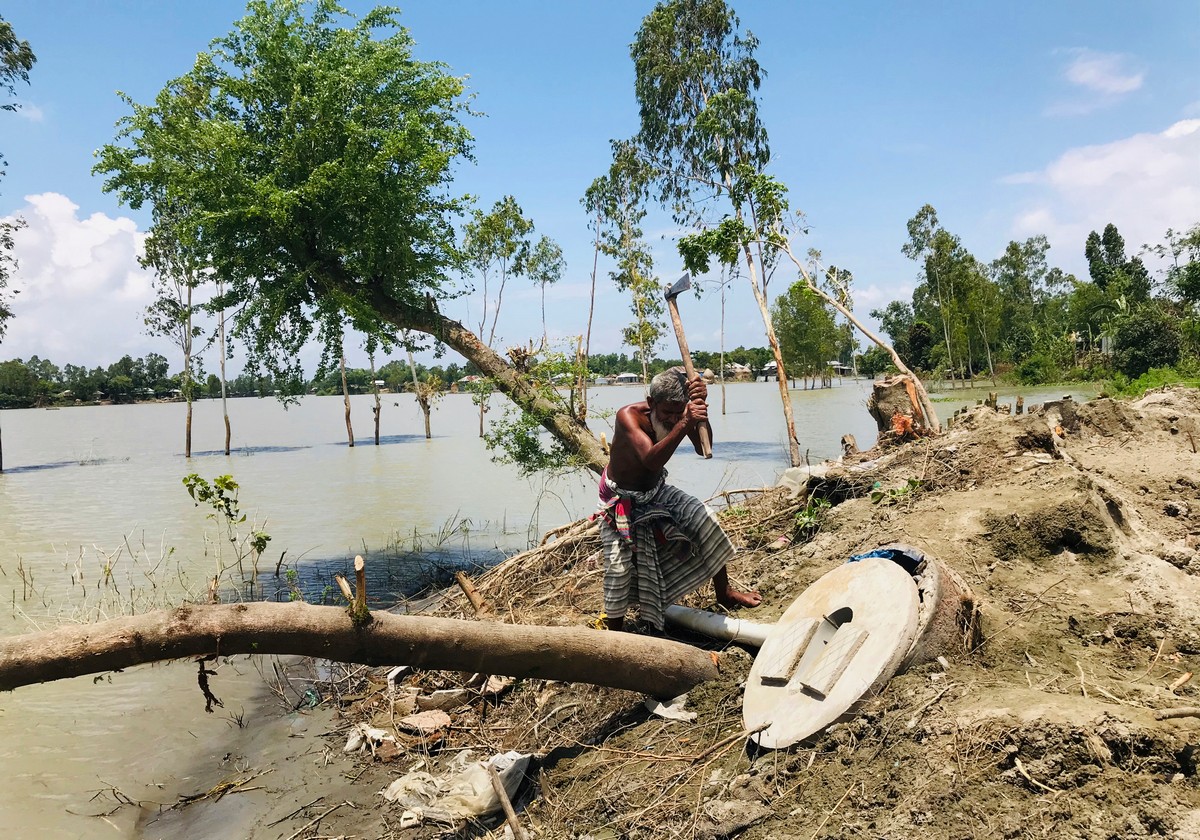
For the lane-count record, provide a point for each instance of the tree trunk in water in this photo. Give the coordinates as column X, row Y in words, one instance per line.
column 224, row 395
column 378, row 405
column 422, row 400
column 645, row 664
column 346, row 399
column 189, row 385
column 780, row 371
column 722, row 345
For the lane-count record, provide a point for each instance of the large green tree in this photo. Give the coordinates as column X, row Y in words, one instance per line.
column 807, row 333
column 1114, row 273
column 316, row 155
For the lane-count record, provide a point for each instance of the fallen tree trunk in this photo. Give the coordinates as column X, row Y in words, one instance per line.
column 652, row 666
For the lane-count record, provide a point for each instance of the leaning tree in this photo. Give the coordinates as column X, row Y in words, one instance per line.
column 317, row 161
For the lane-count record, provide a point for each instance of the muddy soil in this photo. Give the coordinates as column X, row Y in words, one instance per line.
column 1076, row 527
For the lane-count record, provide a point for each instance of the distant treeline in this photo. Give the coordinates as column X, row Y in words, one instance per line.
column 1015, row 318
column 34, row 382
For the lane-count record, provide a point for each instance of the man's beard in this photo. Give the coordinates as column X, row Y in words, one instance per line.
column 661, row 430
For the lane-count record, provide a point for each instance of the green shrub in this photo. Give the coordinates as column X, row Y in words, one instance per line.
column 1038, row 369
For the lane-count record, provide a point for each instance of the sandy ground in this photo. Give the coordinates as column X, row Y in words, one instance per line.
column 1075, row 526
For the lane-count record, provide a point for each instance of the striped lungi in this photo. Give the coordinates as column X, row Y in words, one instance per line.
column 659, row 545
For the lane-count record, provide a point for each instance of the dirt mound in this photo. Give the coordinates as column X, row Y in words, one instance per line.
column 1075, row 525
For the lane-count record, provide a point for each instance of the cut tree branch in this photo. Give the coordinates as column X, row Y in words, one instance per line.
column 652, row 666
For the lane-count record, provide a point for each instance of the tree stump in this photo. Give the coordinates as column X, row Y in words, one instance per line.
column 893, row 402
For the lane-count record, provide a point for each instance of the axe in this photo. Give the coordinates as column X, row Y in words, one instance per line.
column 682, row 285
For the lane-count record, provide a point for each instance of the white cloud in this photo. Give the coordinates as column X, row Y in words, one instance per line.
column 1102, row 72
column 81, row 290
column 29, row 111
column 1102, row 79
column 1143, row 184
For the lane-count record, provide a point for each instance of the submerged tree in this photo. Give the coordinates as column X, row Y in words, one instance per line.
column 807, row 333
column 496, row 247
column 317, row 160
column 545, row 267
column 171, row 313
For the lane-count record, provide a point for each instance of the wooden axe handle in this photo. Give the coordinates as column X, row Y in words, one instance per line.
column 705, row 437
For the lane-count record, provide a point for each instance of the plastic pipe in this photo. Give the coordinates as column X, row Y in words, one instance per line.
column 719, row 626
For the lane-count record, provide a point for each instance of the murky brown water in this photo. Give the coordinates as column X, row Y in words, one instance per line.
column 90, row 485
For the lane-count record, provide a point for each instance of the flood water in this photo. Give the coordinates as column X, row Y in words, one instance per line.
column 90, row 488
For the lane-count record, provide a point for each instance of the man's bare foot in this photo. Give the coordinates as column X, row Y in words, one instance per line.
column 733, row 598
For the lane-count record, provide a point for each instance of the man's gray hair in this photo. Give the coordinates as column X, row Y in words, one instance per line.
column 670, row 386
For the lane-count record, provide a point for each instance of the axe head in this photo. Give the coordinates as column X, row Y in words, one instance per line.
column 680, row 286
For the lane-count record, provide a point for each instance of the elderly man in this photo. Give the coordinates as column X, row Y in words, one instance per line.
column 659, row 543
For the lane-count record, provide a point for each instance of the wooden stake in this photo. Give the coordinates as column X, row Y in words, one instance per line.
column 1181, row 682
column 468, row 588
column 360, row 582
column 1186, row 711
column 506, row 804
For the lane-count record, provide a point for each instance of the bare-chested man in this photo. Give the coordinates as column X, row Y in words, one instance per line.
column 659, row 543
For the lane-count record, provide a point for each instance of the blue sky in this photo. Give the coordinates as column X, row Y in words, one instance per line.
column 1010, row 119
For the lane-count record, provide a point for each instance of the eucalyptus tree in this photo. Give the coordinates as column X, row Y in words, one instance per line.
column 317, row 155
column 496, row 247
column 1020, row 277
column 545, row 268
column 171, row 313
column 927, row 241
column 696, row 85
column 16, row 60
column 618, row 200
column 896, row 319
column 596, row 224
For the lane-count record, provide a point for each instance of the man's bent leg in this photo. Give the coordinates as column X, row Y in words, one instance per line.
column 732, row 598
